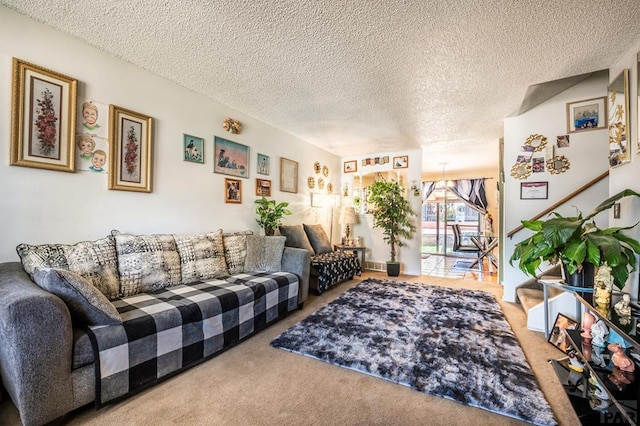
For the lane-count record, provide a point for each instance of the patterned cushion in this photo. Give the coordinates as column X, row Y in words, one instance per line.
column 296, row 237
column 264, row 254
column 235, row 250
column 95, row 261
column 201, row 256
column 318, row 239
column 86, row 304
column 147, row 263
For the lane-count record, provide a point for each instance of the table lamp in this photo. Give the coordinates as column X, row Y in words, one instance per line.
column 347, row 218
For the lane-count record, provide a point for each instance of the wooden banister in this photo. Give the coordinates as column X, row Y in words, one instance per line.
column 561, row 202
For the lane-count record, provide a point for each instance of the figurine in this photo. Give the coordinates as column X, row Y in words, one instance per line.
column 620, row 359
column 599, row 330
column 587, row 321
column 603, row 285
column 597, row 357
column 622, row 307
column 599, row 391
column 574, row 363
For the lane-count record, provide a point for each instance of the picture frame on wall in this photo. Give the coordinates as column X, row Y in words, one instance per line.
column 288, row 175
column 263, row 187
column 130, row 150
column 350, row 166
column 263, row 164
column 558, row 336
column 534, row 190
column 43, row 118
column 193, row 148
column 587, row 115
column 232, row 191
column 401, row 162
column 230, row 158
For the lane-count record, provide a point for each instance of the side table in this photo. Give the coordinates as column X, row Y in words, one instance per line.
column 358, row 250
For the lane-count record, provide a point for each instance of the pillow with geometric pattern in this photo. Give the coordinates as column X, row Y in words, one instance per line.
column 235, row 250
column 201, row 256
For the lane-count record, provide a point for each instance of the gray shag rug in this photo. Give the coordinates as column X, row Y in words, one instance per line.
column 450, row 343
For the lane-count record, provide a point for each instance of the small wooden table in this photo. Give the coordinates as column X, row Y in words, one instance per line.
column 358, row 250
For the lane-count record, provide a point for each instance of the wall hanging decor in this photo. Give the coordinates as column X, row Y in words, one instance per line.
column 619, row 136
column 329, row 188
column 288, row 175
column 521, row 170
column 558, row 164
column 263, row 187
column 320, row 183
column 263, row 164
column 193, row 148
column 231, row 125
column 401, row 162
column 534, row 190
column 43, row 118
column 590, row 114
column 232, row 191
column 230, row 158
column 375, row 160
column 316, row 167
column 311, row 182
column 325, row 171
column 350, row 166
column 536, row 142
column 129, row 150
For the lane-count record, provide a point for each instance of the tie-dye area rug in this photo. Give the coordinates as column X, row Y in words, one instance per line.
column 450, row 343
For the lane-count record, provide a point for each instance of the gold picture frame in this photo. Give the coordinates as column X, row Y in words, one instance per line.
column 232, row 191
column 130, row 150
column 288, row 175
column 43, row 118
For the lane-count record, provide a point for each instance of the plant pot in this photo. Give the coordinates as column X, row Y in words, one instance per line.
column 269, row 232
column 393, row 269
column 584, row 278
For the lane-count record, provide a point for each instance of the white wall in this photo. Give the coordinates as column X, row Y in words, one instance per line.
column 377, row 249
column 42, row 206
column 587, row 153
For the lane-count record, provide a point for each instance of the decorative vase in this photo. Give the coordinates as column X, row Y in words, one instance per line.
column 602, row 289
column 269, row 232
column 583, row 278
column 587, row 321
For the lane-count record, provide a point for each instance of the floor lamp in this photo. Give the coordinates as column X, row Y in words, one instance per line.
column 326, row 201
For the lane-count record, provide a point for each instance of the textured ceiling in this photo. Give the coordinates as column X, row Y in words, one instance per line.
column 361, row 76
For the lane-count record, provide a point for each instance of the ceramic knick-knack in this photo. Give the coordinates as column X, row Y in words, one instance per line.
column 602, row 289
column 620, row 359
column 598, row 331
column 587, row 321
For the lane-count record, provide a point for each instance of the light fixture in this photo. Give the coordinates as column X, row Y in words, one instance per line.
column 443, row 183
column 347, row 218
column 326, row 201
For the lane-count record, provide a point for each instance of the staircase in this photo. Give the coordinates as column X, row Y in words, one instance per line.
column 531, row 296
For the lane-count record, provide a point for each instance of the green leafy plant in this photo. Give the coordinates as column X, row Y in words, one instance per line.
column 577, row 240
column 270, row 214
column 392, row 213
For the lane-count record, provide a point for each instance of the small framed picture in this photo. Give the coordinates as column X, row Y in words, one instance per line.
column 558, row 336
column 230, row 158
column 590, row 114
column 43, row 119
column 193, row 148
column 350, row 166
column 232, row 191
column 129, row 150
column 263, row 164
column 534, row 190
column 263, row 187
column 288, row 175
column 401, row 162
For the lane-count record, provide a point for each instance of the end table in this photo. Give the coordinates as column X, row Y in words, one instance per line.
column 358, row 250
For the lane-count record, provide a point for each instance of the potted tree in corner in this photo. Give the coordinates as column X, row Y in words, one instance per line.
column 392, row 213
column 270, row 214
column 579, row 244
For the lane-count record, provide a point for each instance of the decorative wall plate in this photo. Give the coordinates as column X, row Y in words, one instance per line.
column 316, row 167
column 320, row 183
column 325, row 171
column 537, row 142
column 311, row 183
column 558, row 164
column 521, row 170
column 329, row 188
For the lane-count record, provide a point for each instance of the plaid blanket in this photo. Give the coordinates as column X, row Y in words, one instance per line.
column 172, row 330
column 334, row 267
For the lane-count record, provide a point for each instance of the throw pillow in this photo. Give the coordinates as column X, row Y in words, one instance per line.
column 235, row 250
column 201, row 256
column 147, row 263
column 264, row 254
column 85, row 302
column 318, row 238
column 95, row 261
column 296, row 237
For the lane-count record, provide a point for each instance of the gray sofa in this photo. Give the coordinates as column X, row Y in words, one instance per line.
column 47, row 358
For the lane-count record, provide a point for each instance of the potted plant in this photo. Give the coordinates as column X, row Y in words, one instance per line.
column 578, row 243
column 270, row 214
column 392, row 213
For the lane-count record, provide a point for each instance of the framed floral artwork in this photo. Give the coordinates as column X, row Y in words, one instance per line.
column 129, row 150
column 232, row 191
column 43, row 118
column 230, row 158
column 193, row 148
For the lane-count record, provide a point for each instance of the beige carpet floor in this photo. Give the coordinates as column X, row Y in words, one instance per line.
column 255, row 384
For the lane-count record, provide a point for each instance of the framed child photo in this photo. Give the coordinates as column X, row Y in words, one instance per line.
column 263, row 164
column 43, row 118
column 193, row 148
column 263, row 187
column 129, row 150
column 232, row 191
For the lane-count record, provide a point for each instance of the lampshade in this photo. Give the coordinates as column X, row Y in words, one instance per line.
column 348, row 216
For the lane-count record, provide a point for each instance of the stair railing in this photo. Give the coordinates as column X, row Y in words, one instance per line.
column 561, row 202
